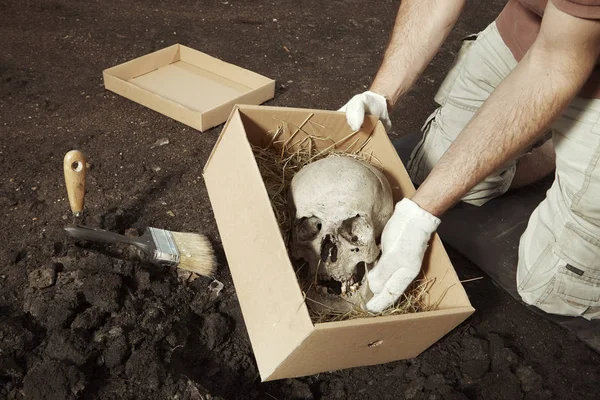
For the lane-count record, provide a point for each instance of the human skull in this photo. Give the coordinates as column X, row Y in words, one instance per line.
column 340, row 206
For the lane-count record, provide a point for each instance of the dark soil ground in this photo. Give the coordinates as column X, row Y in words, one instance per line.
column 78, row 323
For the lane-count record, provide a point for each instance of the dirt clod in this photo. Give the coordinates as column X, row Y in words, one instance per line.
column 9, row 367
column 161, row 289
column 504, row 359
column 89, row 319
column 108, row 333
column 398, row 371
column 434, row 382
column 543, row 395
column 413, row 371
column 53, row 380
column 475, row 369
column 474, row 348
column 116, row 351
column 500, row 386
column 144, row 368
column 103, row 291
column 67, row 346
column 530, row 380
column 299, row 390
column 42, row 277
column 14, row 338
column 142, row 279
column 334, row 390
column 215, row 330
column 415, row 388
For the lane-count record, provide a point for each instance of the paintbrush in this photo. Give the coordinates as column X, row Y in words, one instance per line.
column 190, row 251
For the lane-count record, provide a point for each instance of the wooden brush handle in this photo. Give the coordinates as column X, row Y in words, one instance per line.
column 74, row 166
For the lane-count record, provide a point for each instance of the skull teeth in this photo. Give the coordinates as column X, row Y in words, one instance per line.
column 347, row 287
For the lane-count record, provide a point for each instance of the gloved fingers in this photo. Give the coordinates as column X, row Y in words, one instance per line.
column 381, row 301
column 400, row 280
column 382, row 271
column 355, row 112
column 394, row 273
column 387, row 123
column 375, row 104
column 376, row 280
column 393, row 289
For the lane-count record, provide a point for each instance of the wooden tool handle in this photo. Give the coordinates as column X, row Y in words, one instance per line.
column 74, row 166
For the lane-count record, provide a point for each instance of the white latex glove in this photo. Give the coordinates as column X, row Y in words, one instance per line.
column 366, row 103
column 403, row 244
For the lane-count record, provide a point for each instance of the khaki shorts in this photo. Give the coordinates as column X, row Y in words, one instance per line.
column 559, row 253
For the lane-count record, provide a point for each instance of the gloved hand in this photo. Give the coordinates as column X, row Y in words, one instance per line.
column 366, row 103
column 403, row 244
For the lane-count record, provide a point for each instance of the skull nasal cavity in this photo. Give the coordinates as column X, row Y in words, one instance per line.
column 328, row 248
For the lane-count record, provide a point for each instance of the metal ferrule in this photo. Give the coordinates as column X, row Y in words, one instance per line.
column 166, row 252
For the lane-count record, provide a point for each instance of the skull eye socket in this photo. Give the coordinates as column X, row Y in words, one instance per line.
column 307, row 228
column 357, row 230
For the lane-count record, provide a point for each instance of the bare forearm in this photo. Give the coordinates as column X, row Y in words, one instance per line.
column 420, row 29
column 517, row 113
column 535, row 165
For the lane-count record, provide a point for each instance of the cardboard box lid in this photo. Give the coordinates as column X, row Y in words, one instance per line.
column 274, row 311
column 187, row 85
column 285, row 341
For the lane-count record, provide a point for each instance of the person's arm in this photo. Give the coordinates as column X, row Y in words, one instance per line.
column 518, row 111
column 419, row 31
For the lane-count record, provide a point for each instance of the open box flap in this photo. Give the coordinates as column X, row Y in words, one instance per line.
column 339, row 345
column 273, row 306
column 301, row 122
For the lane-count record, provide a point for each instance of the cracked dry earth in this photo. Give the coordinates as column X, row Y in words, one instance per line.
column 79, row 322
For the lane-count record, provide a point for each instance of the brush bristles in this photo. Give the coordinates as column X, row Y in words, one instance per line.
column 195, row 253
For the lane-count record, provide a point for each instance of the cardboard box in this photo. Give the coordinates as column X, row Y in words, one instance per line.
column 187, row 85
column 285, row 341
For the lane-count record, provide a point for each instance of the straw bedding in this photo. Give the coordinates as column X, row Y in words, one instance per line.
column 279, row 161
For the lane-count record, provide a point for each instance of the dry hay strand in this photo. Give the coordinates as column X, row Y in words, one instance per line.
column 279, row 161
column 413, row 300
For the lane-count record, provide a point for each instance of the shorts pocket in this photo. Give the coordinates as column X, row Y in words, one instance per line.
column 428, row 151
column 576, row 285
column 444, row 90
